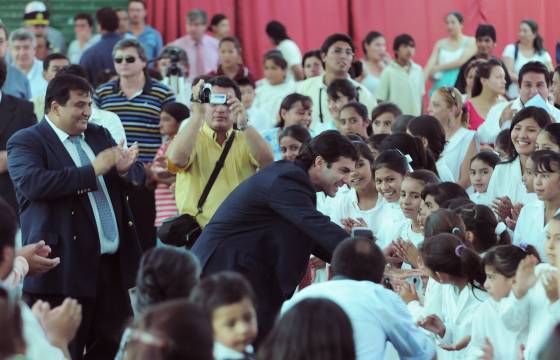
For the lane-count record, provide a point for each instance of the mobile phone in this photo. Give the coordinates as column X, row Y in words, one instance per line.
column 362, row 232
column 218, row 99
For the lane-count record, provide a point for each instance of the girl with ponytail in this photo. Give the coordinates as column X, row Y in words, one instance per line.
column 447, row 106
column 483, row 231
column 500, row 265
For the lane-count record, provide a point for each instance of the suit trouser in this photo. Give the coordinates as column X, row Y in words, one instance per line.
column 103, row 317
column 143, row 206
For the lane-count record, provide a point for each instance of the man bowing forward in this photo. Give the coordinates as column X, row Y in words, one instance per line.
column 70, row 177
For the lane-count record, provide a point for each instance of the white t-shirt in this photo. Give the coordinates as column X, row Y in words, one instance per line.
column 509, row 51
column 507, row 180
column 269, row 97
column 291, row 53
column 456, row 149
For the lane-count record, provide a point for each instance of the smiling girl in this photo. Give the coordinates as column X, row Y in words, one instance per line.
column 353, row 119
column 506, row 185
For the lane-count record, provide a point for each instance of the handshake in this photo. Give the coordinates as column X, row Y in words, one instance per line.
column 117, row 156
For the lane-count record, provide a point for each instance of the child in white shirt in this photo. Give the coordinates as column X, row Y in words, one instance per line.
column 481, row 168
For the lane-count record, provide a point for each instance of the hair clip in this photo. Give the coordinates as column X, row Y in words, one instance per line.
column 456, row 231
column 458, row 250
column 500, row 228
column 523, row 246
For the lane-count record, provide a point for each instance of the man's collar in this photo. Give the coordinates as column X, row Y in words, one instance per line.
column 146, row 88
column 61, row 134
column 206, row 129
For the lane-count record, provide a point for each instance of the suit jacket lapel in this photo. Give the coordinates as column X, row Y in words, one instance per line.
column 54, row 143
column 7, row 113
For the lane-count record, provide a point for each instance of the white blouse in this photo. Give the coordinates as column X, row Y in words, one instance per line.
column 530, row 228
column 507, row 180
column 456, row 149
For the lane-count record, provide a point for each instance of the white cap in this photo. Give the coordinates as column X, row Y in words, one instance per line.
column 35, row 6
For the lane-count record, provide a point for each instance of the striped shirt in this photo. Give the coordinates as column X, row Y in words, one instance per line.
column 165, row 197
column 139, row 115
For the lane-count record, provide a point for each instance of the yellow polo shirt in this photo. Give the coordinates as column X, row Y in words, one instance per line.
column 192, row 179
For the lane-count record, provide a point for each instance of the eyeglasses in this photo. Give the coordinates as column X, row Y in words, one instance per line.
column 128, row 59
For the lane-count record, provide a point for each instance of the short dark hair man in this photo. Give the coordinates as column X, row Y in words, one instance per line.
column 147, row 35
column 70, row 178
column 268, row 226
column 485, row 43
column 377, row 314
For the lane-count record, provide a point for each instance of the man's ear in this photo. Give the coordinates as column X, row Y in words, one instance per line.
column 319, row 162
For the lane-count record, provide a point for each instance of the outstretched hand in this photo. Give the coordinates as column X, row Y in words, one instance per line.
column 127, row 157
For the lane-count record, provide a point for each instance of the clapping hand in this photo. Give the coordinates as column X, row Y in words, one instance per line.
column 37, row 257
column 127, row 157
column 433, row 324
column 463, row 343
column 407, row 292
column 525, row 277
column 349, row 223
column 61, row 323
column 550, row 282
column 502, row 206
column 407, row 252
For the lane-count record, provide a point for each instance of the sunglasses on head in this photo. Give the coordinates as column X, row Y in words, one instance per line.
column 128, row 59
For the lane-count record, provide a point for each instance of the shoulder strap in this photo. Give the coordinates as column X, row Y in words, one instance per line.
column 516, row 52
column 215, row 172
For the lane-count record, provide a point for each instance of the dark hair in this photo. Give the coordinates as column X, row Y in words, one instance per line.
column 385, row 107
column 84, row 16
column 444, row 221
column 553, row 131
column 313, row 329
column 298, row 132
column 276, row 57
column 401, row 123
column 485, row 30
column 171, row 51
column 73, row 69
column 104, row 76
column 107, row 19
column 375, row 140
column 216, row 20
column 540, row 116
column 244, row 82
column 221, row 289
column 225, row 82
column 473, row 64
column 430, row 128
column 371, row 36
column 446, row 253
column 178, row 111
column 361, row 110
column 483, row 72
column 276, row 31
column 12, row 340
column 289, row 101
column 330, row 145
column 51, row 57
column 165, row 273
column 403, row 39
column 233, row 40
column 138, row 1
column 503, row 141
column 3, row 71
column 425, row 176
column 356, row 69
column 506, row 258
column 8, row 225
column 331, row 39
column 169, row 322
column 482, row 222
column 310, row 54
column 444, row 192
column 358, row 259
column 456, row 203
column 392, row 159
column 547, row 162
column 343, row 86
column 412, row 146
column 363, row 150
column 534, row 67
column 59, row 89
column 538, row 42
column 457, row 16
column 488, row 157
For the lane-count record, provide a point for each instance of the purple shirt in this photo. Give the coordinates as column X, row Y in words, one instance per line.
column 209, row 54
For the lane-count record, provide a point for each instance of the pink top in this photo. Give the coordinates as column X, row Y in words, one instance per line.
column 209, row 48
column 475, row 120
column 165, row 197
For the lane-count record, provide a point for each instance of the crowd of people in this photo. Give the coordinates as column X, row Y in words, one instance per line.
column 162, row 202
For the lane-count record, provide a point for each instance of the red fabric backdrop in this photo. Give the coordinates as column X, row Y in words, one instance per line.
column 310, row 21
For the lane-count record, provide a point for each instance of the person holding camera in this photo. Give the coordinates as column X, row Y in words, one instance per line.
column 193, row 153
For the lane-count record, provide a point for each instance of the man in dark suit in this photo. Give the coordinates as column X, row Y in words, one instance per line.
column 268, row 226
column 70, row 178
column 15, row 114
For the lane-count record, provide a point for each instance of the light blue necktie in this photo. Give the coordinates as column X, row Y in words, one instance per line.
column 101, row 201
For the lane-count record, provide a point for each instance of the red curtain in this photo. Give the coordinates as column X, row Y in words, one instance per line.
column 310, row 21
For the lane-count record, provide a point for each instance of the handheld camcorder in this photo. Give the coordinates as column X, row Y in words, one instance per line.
column 206, row 96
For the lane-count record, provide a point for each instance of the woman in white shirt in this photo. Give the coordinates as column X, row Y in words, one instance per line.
column 447, row 106
column 529, row 47
column 500, row 264
column 277, row 34
column 459, row 271
column 275, row 86
column 533, row 301
column 506, row 186
column 430, row 130
column 375, row 59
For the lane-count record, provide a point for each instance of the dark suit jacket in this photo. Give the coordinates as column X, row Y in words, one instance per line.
column 55, row 207
column 15, row 114
column 268, row 226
